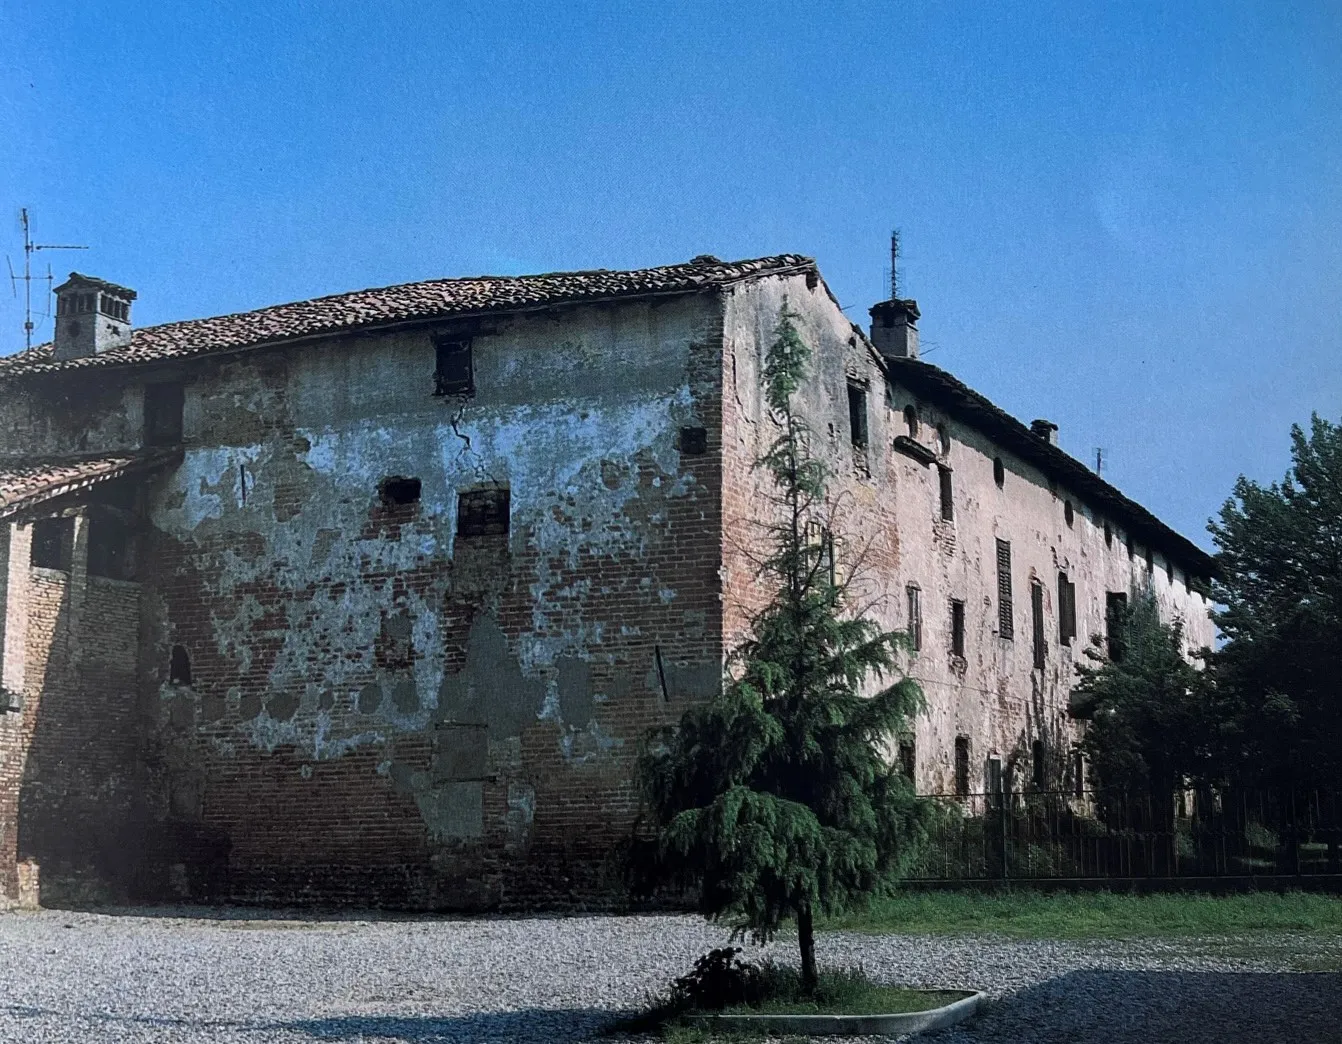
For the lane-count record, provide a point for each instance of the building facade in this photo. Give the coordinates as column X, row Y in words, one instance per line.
column 371, row 599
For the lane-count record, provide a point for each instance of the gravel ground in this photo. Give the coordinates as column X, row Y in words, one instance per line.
column 235, row 978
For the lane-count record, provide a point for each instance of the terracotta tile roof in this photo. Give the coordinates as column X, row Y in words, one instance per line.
column 409, row 301
column 958, row 399
column 28, row 481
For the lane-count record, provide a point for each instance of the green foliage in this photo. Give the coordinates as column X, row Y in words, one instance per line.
column 1280, row 562
column 775, row 800
column 1153, row 722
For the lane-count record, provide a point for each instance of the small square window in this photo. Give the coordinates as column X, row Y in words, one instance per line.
column 693, row 441
column 482, row 512
column 454, row 373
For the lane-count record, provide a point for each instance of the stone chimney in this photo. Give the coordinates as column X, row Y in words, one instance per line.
column 894, row 328
column 1046, row 430
column 92, row 316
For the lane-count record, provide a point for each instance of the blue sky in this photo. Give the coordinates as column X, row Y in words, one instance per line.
column 1123, row 217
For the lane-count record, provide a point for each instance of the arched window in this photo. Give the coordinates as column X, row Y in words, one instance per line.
column 911, row 421
column 999, row 472
column 179, row 669
column 1067, row 513
column 1108, row 535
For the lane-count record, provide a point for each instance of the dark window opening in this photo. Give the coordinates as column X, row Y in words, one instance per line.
column 1131, row 550
column 1078, row 772
column 1037, row 619
column 453, row 373
column 943, row 439
column 857, row 415
column 962, row 765
column 995, row 775
column 947, row 495
column 1067, row 513
column 163, row 414
column 1005, row 625
column 693, row 441
column 911, row 421
column 179, row 667
column 908, row 757
column 1169, row 570
column 1038, row 764
column 482, row 512
column 111, row 550
column 53, row 543
column 1108, row 535
column 957, row 627
column 1066, row 609
column 999, row 472
column 1115, row 615
column 1150, row 560
column 915, row 616
column 398, row 490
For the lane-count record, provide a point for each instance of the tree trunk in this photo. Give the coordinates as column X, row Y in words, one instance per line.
column 806, row 940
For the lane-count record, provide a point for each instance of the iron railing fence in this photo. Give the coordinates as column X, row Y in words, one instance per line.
column 1107, row 834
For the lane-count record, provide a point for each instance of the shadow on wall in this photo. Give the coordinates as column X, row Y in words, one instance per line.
column 1144, row 1007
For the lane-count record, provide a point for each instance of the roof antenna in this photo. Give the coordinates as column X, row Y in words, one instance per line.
column 29, row 248
column 894, row 265
column 1099, row 460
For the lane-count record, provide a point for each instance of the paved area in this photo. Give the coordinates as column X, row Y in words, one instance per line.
column 237, row 978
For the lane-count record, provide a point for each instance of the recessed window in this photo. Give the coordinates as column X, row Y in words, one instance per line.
column 962, row 765
column 943, row 439
column 1069, row 516
column 693, row 441
column 163, row 414
column 1078, row 772
column 1115, row 615
column 1131, row 550
column 454, row 372
column 1066, row 609
column 1006, row 627
column 1038, row 764
column 1108, row 535
column 1150, row 560
column 947, row 494
column 1169, row 570
column 110, row 548
column 994, row 775
column 999, row 472
column 53, row 543
column 179, row 666
column 911, row 421
column 1037, row 621
column 857, row 415
column 957, row 627
column 908, row 757
column 398, row 491
column 915, row 597
column 482, row 512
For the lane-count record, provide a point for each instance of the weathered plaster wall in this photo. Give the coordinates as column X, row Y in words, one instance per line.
column 380, row 710
column 72, row 413
column 887, row 506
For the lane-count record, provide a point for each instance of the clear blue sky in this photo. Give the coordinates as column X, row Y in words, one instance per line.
column 1124, row 217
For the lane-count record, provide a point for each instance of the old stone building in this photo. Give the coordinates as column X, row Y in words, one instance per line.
column 370, row 598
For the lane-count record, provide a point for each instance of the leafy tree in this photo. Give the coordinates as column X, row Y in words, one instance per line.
column 1280, row 565
column 776, row 800
column 1152, row 720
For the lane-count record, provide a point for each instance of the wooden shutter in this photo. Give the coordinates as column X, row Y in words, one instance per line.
column 1005, row 625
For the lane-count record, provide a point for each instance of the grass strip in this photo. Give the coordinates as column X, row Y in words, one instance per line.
column 1095, row 915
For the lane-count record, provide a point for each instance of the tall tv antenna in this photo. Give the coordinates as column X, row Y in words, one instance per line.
column 894, row 265
column 1099, row 460
column 30, row 248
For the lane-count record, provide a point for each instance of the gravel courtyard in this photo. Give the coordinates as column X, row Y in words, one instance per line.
column 242, row 979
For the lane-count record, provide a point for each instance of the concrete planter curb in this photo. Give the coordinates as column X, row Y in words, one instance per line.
column 849, row 1025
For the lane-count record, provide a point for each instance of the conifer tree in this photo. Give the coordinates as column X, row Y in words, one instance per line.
column 777, row 800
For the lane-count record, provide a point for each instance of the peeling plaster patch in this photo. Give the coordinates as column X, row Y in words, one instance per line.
column 521, row 812
column 491, row 688
column 205, row 477
column 588, row 744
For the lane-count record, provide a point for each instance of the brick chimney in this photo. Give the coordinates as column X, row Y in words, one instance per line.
column 92, row 316
column 1046, row 430
column 894, row 328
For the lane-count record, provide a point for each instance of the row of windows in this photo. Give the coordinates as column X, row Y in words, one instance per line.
column 993, row 776
column 1115, row 608
column 81, row 304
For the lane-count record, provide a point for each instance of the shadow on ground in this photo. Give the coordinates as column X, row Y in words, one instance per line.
column 1151, row 1007
column 563, row 1026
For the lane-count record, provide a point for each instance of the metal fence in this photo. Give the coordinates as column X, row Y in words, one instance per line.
column 1099, row 835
